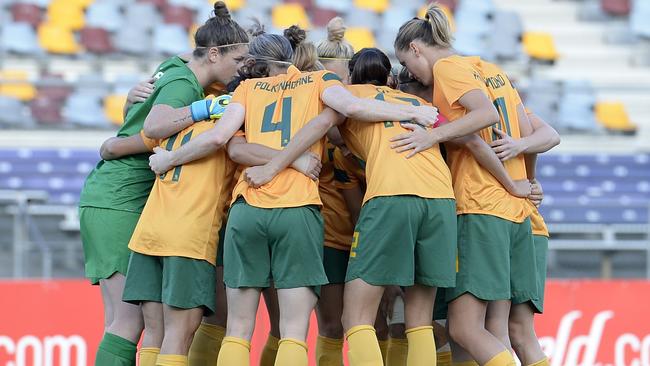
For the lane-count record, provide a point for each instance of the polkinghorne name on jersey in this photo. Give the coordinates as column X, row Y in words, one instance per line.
column 285, row 85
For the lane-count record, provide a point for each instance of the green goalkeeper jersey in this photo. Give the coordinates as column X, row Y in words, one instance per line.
column 124, row 184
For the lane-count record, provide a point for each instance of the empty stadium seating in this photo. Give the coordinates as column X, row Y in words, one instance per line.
column 613, row 116
column 43, row 29
column 579, row 189
column 613, row 189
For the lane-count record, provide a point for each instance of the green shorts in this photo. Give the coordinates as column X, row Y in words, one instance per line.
column 335, row 262
column 105, row 235
column 404, row 240
column 440, row 306
column 283, row 245
column 175, row 281
column 222, row 240
column 496, row 260
column 541, row 250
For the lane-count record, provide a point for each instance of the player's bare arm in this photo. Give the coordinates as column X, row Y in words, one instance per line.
column 138, row 94
column 370, row 110
column 249, row 154
column 481, row 113
column 164, row 121
column 542, row 139
column 117, row 147
column 203, row 145
column 303, row 140
column 490, row 162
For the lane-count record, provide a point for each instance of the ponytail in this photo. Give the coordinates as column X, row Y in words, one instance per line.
column 434, row 30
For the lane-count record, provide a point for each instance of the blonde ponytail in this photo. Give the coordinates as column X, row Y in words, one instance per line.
column 434, row 30
column 440, row 28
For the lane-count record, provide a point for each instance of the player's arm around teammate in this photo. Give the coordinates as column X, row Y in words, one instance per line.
column 169, row 323
column 336, row 97
column 424, row 47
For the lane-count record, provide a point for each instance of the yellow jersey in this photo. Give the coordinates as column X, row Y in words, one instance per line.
column 537, row 222
column 276, row 108
column 536, row 218
column 185, row 208
column 506, row 99
column 387, row 172
column 476, row 190
column 336, row 217
column 349, row 172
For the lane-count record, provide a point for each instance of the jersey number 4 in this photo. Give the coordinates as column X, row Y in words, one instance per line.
column 283, row 125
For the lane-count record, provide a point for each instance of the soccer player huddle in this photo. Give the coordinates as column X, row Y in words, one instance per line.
column 402, row 207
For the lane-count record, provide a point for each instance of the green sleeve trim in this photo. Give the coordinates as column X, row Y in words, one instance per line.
column 330, row 76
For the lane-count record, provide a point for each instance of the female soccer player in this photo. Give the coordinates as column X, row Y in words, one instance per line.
column 484, row 206
column 370, row 249
column 398, row 197
column 521, row 332
column 335, row 52
column 338, row 225
column 262, row 236
column 115, row 191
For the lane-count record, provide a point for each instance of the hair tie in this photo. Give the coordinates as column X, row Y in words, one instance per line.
column 268, row 59
column 334, row 58
column 225, row 45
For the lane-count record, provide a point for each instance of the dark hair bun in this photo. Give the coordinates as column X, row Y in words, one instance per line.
column 221, row 10
column 295, row 35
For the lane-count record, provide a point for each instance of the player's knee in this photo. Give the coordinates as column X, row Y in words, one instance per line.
column 498, row 328
column 517, row 331
column 460, row 332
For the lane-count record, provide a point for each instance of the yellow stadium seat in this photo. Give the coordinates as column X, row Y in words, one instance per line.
column 360, row 37
column 378, row 6
column 286, row 15
column 66, row 14
column 612, row 115
column 233, row 5
column 114, row 108
column 540, row 45
column 56, row 39
column 14, row 83
column 450, row 14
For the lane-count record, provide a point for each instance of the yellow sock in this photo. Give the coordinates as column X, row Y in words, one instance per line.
column 444, row 358
column 542, row 362
column 363, row 346
column 147, row 356
column 422, row 346
column 383, row 347
column 397, row 351
column 270, row 351
column 465, row 363
column 234, row 352
column 171, row 360
column 206, row 344
column 502, row 359
column 329, row 351
column 291, row 352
